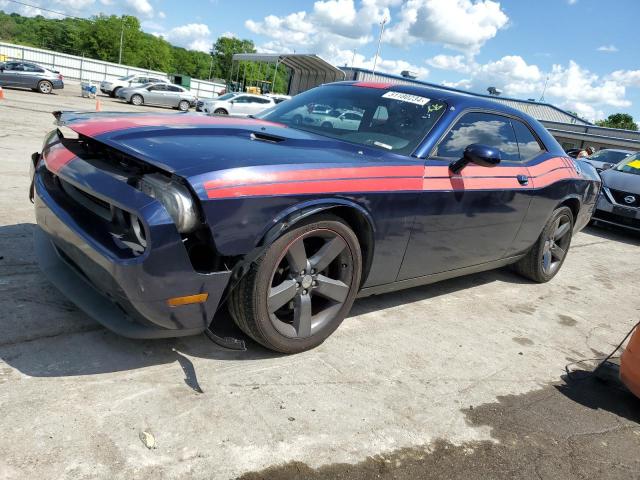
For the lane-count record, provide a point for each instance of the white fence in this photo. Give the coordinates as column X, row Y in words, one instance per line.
column 88, row 69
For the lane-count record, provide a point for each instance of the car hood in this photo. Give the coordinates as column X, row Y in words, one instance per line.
column 190, row 145
column 627, row 182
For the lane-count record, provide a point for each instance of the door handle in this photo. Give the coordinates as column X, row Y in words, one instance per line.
column 523, row 179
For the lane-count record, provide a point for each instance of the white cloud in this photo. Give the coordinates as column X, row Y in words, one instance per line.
column 333, row 30
column 629, row 78
column 464, row 25
column 162, row 15
column 572, row 2
column 455, row 63
column 569, row 86
column 194, row 36
column 72, row 4
column 608, row 48
column 140, row 7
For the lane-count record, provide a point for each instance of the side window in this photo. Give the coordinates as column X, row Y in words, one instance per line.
column 157, row 88
column 173, row 88
column 262, row 100
column 483, row 128
column 241, row 99
column 527, row 143
column 140, row 80
column 11, row 65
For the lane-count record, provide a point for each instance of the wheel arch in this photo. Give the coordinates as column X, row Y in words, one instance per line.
column 354, row 215
column 574, row 204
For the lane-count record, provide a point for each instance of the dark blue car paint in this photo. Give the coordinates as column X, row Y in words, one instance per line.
column 415, row 233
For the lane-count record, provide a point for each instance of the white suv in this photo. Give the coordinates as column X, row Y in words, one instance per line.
column 238, row 104
column 111, row 88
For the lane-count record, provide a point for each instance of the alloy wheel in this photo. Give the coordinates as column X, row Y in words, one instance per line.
column 45, row 87
column 310, row 283
column 556, row 245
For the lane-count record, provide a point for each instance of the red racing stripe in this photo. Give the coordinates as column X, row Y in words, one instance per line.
column 385, row 179
column 322, row 186
column 57, row 157
column 98, row 126
column 379, row 85
column 241, row 177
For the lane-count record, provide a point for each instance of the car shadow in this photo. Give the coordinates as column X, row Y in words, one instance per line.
column 72, row 344
column 611, row 232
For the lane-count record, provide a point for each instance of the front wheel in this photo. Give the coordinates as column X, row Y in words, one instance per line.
column 114, row 92
column 299, row 291
column 45, row 86
column 545, row 258
column 220, row 111
column 137, row 100
column 183, row 106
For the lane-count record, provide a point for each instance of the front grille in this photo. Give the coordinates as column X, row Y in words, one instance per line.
column 617, row 219
column 621, row 198
column 88, row 201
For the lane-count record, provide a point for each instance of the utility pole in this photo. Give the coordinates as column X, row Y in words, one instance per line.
column 353, row 59
column 375, row 60
column 212, row 52
column 121, row 38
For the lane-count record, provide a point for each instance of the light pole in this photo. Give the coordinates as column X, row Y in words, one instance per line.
column 212, row 52
column 375, row 60
column 121, row 38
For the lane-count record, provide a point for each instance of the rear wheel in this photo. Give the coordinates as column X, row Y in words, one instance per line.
column 327, row 125
column 137, row 100
column 545, row 258
column 45, row 86
column 220, row 111
column 299, row 291
column 183, row 106
column 114, row 92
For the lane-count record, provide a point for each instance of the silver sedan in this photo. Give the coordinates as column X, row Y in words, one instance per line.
column 162, row 94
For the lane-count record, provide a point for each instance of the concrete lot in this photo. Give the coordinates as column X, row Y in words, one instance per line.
column 462, row 378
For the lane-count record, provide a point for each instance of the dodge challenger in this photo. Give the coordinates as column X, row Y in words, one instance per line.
column 151, row 222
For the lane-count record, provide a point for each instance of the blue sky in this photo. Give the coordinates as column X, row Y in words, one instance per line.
column 585, row 51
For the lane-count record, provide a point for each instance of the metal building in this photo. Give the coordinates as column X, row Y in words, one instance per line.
column 305, row 71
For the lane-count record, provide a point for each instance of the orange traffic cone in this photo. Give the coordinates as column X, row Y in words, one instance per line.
column 98, row 105
column 1, row 93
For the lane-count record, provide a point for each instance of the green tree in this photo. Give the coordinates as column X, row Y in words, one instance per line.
column 223, row 49
column 619, row 120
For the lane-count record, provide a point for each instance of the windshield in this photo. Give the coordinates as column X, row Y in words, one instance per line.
column 374, row 117
column 609, row 156
column 128, row 77
column 630, row 165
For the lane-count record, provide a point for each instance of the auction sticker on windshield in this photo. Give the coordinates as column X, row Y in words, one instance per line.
column 405, row 97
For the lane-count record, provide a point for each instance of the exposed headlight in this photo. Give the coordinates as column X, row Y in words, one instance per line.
column 175, row 197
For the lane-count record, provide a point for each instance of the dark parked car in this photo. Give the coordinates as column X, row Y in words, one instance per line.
column 148, row 222
column 607, row 158
column 30, row 75
column 619, row 202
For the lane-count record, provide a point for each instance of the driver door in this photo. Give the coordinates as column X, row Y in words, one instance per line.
column 471, row 217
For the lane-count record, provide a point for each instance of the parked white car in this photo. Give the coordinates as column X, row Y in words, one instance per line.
column 237, row 104
column 340, row 119
column 111, row 88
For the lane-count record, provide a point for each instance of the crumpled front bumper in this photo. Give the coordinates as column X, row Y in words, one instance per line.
column 126, row 294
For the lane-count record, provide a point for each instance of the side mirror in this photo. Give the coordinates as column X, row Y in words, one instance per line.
column 232, row 102
column 481, row 155
column 607, row 166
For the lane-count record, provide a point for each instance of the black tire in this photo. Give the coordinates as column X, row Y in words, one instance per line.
column 547, row 255
column 45, row 86
column 113, row 93
column 220, row 111
column 183, row 106
column 274, row 326
column 327, row 125
column 297, row 119
column 137, row 100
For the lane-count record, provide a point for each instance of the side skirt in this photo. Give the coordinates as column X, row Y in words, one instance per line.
column 436, row 277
